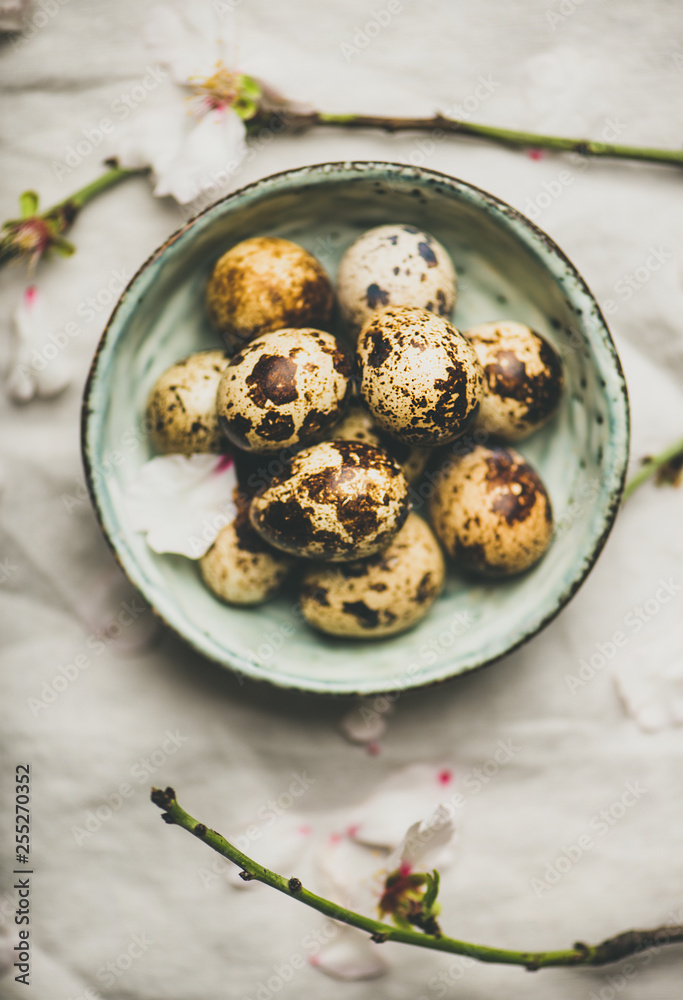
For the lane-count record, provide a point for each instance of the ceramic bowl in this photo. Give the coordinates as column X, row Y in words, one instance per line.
column 508, row 269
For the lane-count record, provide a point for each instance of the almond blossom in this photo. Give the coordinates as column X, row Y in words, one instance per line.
column 198, row 134
column 392, row 876
column 354, row 874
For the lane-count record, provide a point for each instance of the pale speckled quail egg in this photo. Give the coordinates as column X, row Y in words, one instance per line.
column 181, row 408
column 396, row 265
column 383, row 595
column 491, row 512
column 523, row 379
column 419, row 377
column 240, row 568
column 265, row 284
column 337, row 501
column 285, row 388
column 358, row 425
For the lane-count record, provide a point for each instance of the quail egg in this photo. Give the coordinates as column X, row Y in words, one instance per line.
column 358, row 425
column 491, row 512
column 265, row 284
column 181, row 408
column 522, row 379
column 284, row 388
column 240, row 568
column 385, row 594
column 337, row 501
column 395, row 265
column 419, row 377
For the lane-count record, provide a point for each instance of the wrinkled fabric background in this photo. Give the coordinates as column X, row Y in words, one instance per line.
column 557, row 66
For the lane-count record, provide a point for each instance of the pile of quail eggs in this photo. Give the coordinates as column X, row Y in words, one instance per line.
column 330, row 447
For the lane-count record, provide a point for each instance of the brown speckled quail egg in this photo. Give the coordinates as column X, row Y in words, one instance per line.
column 396, row 265
column 522, row 379
column 358, row 425
column 491, row 512
column 285, row 388
column 181, row 408
column 265, row 284
column 337, row 501
column 240, row 568
column 385, row 594
column 419, row 377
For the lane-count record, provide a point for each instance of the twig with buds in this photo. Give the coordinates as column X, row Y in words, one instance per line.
column 612, row 950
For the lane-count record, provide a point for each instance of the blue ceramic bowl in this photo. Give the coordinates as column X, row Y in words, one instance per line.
column 508, row 269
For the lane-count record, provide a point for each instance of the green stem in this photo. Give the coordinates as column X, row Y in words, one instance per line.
column 35, row 233
column 489, row 133
column 66, row 211
column 612, row 950
column 651, row 466
column 61, row 216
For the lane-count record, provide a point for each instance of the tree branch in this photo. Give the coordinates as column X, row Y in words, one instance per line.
column 612, row 950
column 442, row 125
column 652, row 465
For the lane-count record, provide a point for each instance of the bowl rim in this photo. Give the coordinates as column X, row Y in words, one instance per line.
column 538, row 242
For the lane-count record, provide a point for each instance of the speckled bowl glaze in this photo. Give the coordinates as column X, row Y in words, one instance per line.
column 508, row 269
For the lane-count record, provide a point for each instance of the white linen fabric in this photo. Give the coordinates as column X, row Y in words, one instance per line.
column 125, row 908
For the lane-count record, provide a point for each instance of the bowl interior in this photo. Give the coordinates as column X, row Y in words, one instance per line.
column 507, row 270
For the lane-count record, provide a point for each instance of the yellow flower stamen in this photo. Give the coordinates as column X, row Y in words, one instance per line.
column 219, row 90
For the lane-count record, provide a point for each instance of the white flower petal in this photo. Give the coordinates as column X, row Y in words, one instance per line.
column 399, row 802
column 350, row 956
column 211, row 153
column 153, row 138
column 280, row 845
column 181, row 502
column 21, row 384
column 654, row 700
column 364, row 723
column 427, row 844
column 179, row 43
column 39, row 366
